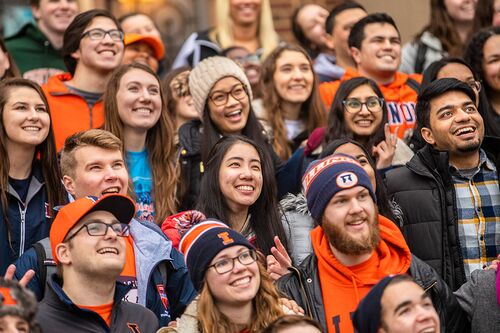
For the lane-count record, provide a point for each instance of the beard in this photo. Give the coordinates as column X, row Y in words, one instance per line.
column 344, row 243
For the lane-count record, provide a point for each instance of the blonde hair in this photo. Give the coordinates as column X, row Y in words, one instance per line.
column 223, row 34
column 265, row 305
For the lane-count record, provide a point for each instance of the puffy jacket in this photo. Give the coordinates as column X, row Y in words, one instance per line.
column 197, row 47
column 35, row 56
column 57, row 313
column 69, row 111
column 432, row 233
column 400, row 96
column 155, row 259
column 29, row 221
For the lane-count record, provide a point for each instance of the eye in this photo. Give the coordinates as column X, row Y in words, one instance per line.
column 362, row 160
column 133, row 88
column 445, row 114
column 373, row 102
column 286, row 69
column 470, row 109
column 256, row 167
column 95, row 168
column 234, row 164
column 353, row 104
column 218, row 98
column 223, row 263
column 118, row 165
column 404, row 311
column 363, row 196
column 154, row 91
column 41, row 109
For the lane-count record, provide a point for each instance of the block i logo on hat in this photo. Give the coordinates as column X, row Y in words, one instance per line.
column 347, row 180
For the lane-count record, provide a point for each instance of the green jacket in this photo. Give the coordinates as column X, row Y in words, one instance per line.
column 36, row 58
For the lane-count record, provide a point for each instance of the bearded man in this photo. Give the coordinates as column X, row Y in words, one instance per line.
column 353, row 249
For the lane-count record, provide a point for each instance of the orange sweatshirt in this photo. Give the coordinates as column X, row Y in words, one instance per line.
column 69, row 111
column 343, row 287
column 399, row 97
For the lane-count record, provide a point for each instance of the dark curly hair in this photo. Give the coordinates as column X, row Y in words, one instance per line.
column 25, row 305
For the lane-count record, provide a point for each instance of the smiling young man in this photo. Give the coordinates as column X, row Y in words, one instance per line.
column 455, row 177
column 397, row 304
column 92, row 49
column 92, row 164
column 88, row 238
column 37, row 47
column 375, row 47
column 354, row 248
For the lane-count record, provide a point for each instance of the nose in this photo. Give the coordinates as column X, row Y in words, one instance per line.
column 238, row 266
column 145, row 96
column 33, row 115
column 297, row 74
column 110, row 233
column 364, row 109
column 107, row 39
column 355, row 206
column 462, row 116
column 110, row 174
column 425, row 313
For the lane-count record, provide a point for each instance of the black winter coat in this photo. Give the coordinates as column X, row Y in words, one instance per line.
column 424, row 194
column 304, row 287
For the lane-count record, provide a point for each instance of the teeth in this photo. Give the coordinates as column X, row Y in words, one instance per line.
column 143, row 110
column 234, row 113
column 31, row 128
column 464, row 130
column 245, row 188
column 364, row 122
column 240, row 282
column 108, row 52
column 111, row 190
column 108, row 250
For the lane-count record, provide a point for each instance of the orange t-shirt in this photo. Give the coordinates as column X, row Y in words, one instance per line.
column 343, row 287
column 102, row 310
column 128, row 275
column 399, row 97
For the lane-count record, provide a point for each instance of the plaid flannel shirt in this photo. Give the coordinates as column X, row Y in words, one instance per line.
column 478, row 208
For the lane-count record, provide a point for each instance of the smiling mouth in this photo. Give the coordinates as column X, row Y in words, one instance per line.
column 241, row 282
column 109, row 52
column 234, row 114
column 364, row 122
column 245, row 187
column 108, row 250
column 114, row 189
column 145, row 111
column 31, row 128
column 464, row 131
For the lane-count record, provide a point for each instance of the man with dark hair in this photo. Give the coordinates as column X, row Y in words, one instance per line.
column 397, row 304
column 92, row 163
column 375, row 47
column 354, row 248
column 92, row 49
column 450, row 198
column 36, row 47
column 88, row 241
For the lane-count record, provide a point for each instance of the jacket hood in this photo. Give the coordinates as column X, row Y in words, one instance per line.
column 392, row 256
column 295, row 203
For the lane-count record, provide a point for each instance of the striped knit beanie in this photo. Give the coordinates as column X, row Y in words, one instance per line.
column 203, row 242
column 206, row 74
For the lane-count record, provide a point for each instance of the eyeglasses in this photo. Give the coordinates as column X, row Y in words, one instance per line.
column 220, row 98
column 475, row 85
column 99, row 34
column 354, row 105
column 226, row 265
column 248, row 58
column 101, row 229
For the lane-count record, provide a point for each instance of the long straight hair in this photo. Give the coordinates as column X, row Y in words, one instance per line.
column 45, row 152
column 12, row 71
column 266, row 308
column 265, row 220
column 337, row 127
column 159, row 143
column 312, row 111
column 223, row 32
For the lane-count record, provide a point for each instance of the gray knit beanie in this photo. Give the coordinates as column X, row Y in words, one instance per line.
column 206, row 74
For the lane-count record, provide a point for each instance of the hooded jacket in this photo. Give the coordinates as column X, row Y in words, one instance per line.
column 155, row 259
column 57, row 313
column 346, row 287
column 30, row 221
column 400, row 96
column 69, row 111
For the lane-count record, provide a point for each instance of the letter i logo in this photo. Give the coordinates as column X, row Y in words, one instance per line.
column 225, row 238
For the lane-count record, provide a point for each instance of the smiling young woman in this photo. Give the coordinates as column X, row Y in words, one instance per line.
column 136, row 113
column 29, row 176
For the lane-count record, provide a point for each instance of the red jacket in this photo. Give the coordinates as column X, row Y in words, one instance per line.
column 70, row 112
column 399, row 96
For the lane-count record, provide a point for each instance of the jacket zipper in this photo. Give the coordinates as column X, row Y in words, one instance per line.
column 22, row 212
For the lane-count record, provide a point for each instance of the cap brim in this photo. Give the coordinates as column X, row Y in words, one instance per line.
column 120, row 206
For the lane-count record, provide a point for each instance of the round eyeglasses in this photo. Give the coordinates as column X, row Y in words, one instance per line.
column 99, row 34
column 227, row 264
column 219, row 98
column 354, row 105
column 101, row 229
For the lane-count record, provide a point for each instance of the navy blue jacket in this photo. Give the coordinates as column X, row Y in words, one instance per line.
column 155, row 258
column 29, row 221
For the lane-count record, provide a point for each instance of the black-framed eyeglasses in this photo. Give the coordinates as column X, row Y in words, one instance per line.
column 220, row 98
column 475, row 85
column 354, row 105
column 98, row 228
column 99, row 34
column 227, row 264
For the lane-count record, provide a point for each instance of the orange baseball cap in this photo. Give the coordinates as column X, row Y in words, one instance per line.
column 155, row 43
column 121, row 206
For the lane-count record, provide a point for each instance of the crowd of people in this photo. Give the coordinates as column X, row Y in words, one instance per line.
column 341, row 183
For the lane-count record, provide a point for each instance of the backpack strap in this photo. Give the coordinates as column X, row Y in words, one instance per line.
column 46, row 262
column 413, row 84
column 420, row 59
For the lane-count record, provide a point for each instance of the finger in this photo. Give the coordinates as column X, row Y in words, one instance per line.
column 383, row 146
column 27, row 277
column 387, row 132
column 394, row 137
column 281, row 248
column 274, row 276
column 9, row 274
column 283, row 259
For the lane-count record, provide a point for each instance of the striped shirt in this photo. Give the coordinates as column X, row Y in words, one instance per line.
column 478, row 208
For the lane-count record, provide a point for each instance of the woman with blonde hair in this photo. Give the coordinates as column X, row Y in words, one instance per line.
column 291, row 102
column 245, row 23
column 236, row 294
column 135, row 111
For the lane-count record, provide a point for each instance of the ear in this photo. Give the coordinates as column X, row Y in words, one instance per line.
column 356, row 54
column 63, row 253
column 427, row 135
column 35, row 11
column 381, row 330
column 76, row 54
column 330, row 44
column 69, row 184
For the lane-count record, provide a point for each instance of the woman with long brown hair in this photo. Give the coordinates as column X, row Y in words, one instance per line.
column 236, row 295
column 135, row 111
column 30, row 180
column 8, row 68
column 293, row 108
